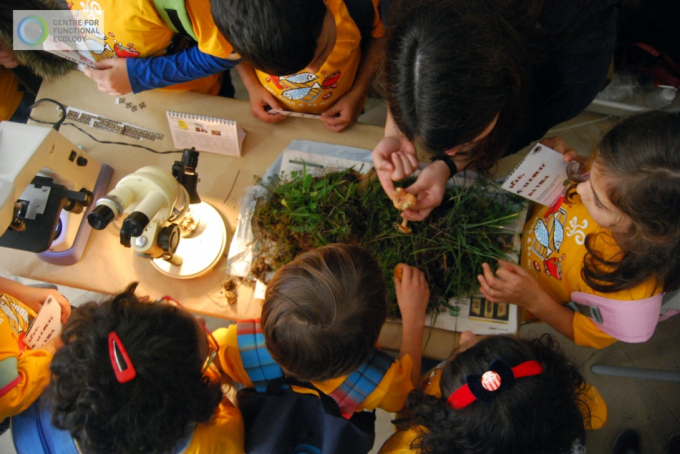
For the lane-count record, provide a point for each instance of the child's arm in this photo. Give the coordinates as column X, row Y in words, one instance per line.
column 259, row 97
column 515, row 285
column 119, row 76
column 34, row 297
column 347, row 108
column 413, row 294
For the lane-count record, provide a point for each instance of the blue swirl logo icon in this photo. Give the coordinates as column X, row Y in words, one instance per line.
column 32, row 30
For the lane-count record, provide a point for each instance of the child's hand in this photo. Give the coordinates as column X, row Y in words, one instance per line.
column 383, row 161
column 344, row 112
column 559, row 145
column 413, row 294
column 52, row 345
column 8, row 58
column 61, row 299
column 260, row 99
column 111, row 76
column 512, row 284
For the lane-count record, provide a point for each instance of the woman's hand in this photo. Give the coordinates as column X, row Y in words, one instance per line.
column 429, row 188
column 394, row 159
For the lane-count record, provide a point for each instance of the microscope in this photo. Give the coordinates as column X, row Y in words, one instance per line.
column 47, row 187
column 163, row 208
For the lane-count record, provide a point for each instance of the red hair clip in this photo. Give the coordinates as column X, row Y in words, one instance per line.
column 482, row 387
column 122, row 365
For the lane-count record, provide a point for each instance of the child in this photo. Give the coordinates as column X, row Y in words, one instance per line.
column 132, row 41
column 24, row 373
column 321, row 320
column 533, row 402
column 308, row 54
column 131, row 377
column 613, row 248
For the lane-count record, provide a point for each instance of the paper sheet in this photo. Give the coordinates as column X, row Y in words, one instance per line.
column 46, row 324
column 541, row 177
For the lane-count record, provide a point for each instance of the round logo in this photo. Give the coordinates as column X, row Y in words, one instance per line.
column 32, row 30
column 491, row 381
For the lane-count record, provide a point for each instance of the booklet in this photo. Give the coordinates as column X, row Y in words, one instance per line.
column 541, row 177
column 289, row 113
column 83, row 58
column 211, row 134
column 46, row 324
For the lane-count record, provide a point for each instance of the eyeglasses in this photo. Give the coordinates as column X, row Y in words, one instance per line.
column 213, row 346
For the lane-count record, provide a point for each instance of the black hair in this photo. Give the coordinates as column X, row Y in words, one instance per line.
column 154, row 410
column 541, row 414
column 451, row 66
column 641, row 155
column 278, row 37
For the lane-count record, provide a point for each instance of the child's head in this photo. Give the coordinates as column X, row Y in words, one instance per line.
column 323, row 312
column 536, row 414
column 275, row 36
column 153, row 411
column 633, row 190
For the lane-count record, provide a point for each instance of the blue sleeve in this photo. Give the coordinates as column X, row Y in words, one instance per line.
column 184, row 66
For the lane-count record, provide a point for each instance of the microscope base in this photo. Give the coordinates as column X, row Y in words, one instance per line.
column 202, row 252
column 75, row 252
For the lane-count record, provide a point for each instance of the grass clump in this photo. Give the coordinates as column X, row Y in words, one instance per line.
column 467, row 229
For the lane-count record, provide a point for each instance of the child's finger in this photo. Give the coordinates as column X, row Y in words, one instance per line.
column 488, row 275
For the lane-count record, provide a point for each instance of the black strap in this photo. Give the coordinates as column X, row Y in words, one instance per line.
column 275, row 386
column 363, row 15
column 446, row 159
column 174, row 18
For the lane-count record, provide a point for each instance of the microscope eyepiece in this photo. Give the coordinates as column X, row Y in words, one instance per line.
column 100, row 217
column 135, row 224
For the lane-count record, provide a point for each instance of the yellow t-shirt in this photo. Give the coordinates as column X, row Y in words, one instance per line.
column 133, row 29
column 224, row 433
column 10, row 96
column 553, row 250
column 390, row 394
column 401, row 441
column 23, row 376
column 315, row 92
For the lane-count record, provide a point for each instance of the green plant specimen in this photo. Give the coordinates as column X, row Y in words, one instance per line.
column 467, row 229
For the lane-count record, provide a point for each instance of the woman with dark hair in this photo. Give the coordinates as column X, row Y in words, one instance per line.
column 133, row 376
column 475, row 80
column 498, row 395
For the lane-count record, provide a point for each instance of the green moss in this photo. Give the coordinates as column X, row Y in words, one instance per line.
column 466, row 230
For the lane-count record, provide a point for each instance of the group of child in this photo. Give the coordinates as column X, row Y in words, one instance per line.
column 130, row 375
column 137, row 375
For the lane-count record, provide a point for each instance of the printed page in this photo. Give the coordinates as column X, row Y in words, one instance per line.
column 213, row 135
column 317, row 164
column 541, row 177
column 46, row 324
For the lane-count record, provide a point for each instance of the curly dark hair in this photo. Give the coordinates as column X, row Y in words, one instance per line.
column 153, row 411
column 641, row 155
column 323, row 312
column 542, row 414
